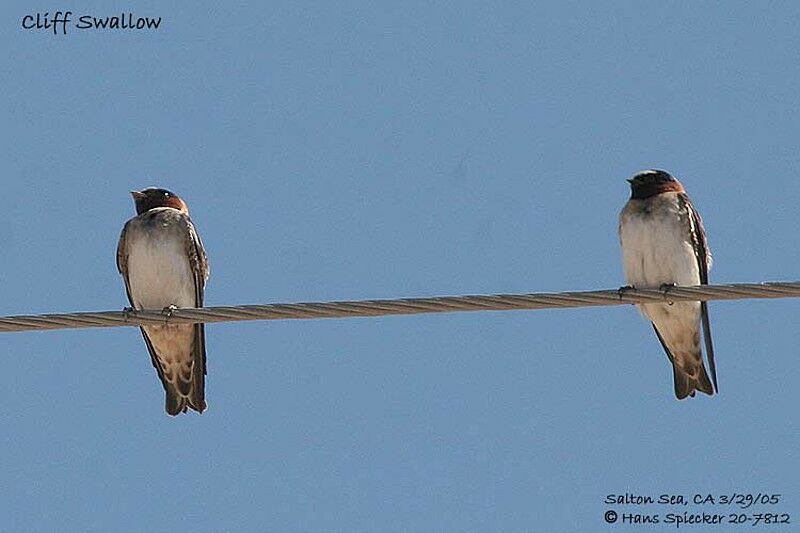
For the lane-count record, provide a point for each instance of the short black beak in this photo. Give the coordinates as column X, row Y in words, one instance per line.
column 137, row 195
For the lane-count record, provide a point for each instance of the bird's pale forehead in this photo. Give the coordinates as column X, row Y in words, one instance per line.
column 653, row 173
column 158, row 190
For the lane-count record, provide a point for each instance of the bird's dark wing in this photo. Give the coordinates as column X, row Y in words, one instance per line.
column 122, row 259
column 198, row 260
column 697, row 235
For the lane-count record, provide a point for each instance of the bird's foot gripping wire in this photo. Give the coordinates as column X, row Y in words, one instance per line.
column 665, row 288
column 625, row 288
column 127, row 312
column 168, row 312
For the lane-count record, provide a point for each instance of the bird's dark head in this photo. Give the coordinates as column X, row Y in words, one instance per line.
column 648, row 183
column 151, row 198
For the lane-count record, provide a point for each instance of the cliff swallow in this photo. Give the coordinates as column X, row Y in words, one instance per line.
column 664, row 243
column 163, row 262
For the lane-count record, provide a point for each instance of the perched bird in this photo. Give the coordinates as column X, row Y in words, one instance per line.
column 664, row 244
column 164, row 265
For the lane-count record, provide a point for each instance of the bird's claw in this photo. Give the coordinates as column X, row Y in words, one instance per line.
column 622, row 290
column 168, row 312
column 665, row 288
column 127, row 312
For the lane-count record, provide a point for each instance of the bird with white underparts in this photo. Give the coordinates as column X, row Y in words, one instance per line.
column 164, row 265
column 664, row 244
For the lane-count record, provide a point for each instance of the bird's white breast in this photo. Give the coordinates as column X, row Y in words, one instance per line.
column 655, row 244
column 159, row 273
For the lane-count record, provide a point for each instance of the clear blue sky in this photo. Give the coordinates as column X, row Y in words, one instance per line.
column 363, row 151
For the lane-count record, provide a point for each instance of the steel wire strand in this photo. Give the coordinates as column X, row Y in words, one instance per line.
column 402, row 306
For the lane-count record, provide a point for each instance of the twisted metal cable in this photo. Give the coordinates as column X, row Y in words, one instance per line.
column 404, row 306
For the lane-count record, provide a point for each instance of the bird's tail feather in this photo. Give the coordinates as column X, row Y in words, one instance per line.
column 190, row 389
column 177, row 403
column 686, row 384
